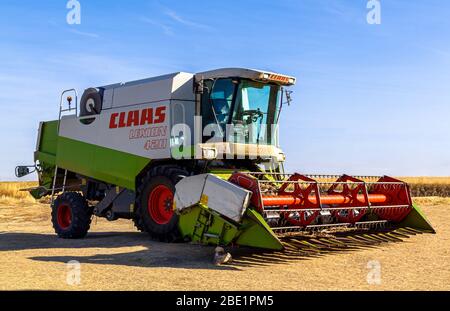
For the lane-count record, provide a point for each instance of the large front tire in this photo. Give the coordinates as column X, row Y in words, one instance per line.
column 71, row 216
column 154, row 203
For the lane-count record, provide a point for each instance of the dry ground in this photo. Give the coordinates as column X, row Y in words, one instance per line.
column 115, row 257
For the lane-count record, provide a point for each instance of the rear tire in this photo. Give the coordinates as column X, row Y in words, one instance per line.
column 154, row 203
column 71, row 216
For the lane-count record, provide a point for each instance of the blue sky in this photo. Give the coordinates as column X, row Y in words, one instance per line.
column 370, row 99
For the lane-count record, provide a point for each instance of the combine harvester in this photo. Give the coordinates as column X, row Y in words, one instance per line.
column 195, row 157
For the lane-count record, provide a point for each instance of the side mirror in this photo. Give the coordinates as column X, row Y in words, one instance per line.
column 22, row 171
column 288, row 97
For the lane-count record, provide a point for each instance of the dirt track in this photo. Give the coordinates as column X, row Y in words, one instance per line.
column 115, row 257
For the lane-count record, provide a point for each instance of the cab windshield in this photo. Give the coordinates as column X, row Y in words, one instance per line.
column 245, row 110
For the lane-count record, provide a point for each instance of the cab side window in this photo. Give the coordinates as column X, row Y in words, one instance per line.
column 216, row 102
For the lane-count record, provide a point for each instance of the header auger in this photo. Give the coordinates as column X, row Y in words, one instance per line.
column 196, row 157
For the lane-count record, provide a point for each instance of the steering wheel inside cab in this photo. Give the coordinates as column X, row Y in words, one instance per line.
column 252, row 115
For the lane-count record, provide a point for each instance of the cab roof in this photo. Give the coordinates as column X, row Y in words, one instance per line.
column 252, row 74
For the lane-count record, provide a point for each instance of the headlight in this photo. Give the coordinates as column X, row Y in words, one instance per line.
column 281, row 157
column 209, row 153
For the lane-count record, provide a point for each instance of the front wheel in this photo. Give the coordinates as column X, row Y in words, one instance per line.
column 154, row 203
column 71, row 216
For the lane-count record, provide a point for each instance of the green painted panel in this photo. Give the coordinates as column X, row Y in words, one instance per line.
column 49, row 137
column 255, row 232
column 46, row 158
column 205, row 226
column 104, row 164
column 202, row 225
column 188, row 220
column 417, row 219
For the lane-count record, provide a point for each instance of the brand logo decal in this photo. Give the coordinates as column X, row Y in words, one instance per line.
column 138, row 117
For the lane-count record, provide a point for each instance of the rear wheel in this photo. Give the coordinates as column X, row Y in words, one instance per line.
column 71, row 215
column 154, row 203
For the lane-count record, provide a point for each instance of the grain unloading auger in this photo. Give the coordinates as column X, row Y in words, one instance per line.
column 196, row 157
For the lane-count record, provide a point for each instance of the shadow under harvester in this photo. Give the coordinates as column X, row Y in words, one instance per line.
column 183, row 255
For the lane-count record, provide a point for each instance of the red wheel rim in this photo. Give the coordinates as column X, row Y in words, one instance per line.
column 160, row 204
column 64, row 216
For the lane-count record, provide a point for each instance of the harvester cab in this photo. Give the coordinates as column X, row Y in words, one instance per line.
column 196, row 157
column 239, row 111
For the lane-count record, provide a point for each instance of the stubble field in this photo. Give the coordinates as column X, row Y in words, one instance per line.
column 116, row 257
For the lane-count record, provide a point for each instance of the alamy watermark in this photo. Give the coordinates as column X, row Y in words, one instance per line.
column 74, row 15
column 374, row 274
column 374, row 14
column 225, row 141
column 73, row 273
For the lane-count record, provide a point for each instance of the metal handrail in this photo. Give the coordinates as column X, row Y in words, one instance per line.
column 61, row 110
